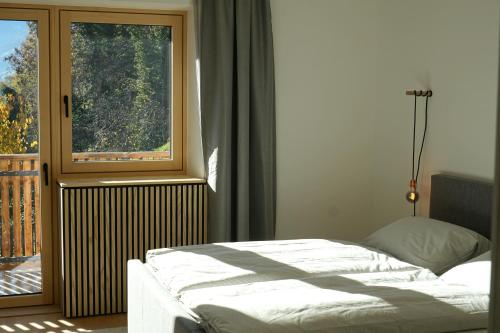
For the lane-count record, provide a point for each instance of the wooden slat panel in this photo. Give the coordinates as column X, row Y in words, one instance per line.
column 5, row 214
column 104, row 227
column 16, row 210
column 28, row 230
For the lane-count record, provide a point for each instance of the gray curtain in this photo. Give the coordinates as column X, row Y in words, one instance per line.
column 237, row 100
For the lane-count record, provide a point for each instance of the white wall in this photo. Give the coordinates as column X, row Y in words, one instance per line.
column 450, row 46
column 344, row 123
column 325, row 75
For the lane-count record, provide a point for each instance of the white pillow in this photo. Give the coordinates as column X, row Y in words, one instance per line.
column 428, row 243
column 475, row 273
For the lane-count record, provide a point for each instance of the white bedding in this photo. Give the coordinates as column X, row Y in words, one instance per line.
column 313, row 286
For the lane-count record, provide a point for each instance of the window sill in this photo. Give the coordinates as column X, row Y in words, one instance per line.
column 128, row 181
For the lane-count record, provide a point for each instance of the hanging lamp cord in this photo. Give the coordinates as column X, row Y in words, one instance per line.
column 423, row 137
column 413, row 175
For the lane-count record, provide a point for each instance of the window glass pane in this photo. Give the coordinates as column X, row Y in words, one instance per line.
column 121, row 92
column 20, row 219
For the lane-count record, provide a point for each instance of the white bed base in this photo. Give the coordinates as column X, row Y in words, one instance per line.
column 151, row 309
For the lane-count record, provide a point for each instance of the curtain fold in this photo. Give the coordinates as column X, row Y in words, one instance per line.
column 237, row 100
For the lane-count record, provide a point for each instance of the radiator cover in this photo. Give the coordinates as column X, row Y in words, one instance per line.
column 104, row 226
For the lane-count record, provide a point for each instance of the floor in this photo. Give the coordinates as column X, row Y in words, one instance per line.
column 20, row 276
column 56, row 323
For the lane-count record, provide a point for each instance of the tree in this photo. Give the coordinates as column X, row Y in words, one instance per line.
column 121, row 87
column 24, row 81
column 14, row 124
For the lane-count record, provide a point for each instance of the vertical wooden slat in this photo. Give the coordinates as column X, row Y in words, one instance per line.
column 78, row 250
column 157, row 217
column 28, row 230
column 112, row 250
column 189, row 205
column 84, row 248
column 90, row 253
column 184, row 215
column 195, row 214
column 205, row 204
column 72, row 250
column 66, row 253
column 5, row 214
column 38, row 215
column 140, row 214
column 178, row 214
column 137, row 233
column 163, row 219
column 168, row 200
column 95, row 229
column 107, row 231
column 119, row 248
column 146, row 222
column 16, row 212
column 102, row 281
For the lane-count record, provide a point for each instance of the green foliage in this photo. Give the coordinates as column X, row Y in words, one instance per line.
column 14, row 124
column 121, row 87
column 165, row 147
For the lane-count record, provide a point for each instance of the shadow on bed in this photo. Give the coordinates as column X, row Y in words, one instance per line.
column 265, row 270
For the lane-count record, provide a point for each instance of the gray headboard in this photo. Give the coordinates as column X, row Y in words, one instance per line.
column 462, row 201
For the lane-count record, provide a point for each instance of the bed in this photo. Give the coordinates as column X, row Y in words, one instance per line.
column 310, row 285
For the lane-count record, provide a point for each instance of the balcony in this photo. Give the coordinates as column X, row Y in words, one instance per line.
column 20, row 218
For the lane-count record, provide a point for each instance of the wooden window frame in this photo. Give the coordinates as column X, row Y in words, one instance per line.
column 177, row 163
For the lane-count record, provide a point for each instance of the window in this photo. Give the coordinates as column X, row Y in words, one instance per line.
column 121, row 92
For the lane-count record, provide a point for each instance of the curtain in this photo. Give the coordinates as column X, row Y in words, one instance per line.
column 238, row 122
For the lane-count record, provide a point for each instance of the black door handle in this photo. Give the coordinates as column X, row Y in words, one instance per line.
column 46, row 173
column 66, row 105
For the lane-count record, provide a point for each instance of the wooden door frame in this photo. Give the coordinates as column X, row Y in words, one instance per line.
column 42, row 16
column 53, row 93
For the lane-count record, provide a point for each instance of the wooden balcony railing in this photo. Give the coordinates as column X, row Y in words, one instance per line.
column 20, row 205
column 122, row 156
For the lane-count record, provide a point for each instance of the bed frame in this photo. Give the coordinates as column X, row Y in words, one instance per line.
column 459, row 200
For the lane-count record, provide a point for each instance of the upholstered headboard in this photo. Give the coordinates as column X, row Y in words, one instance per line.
column 462, row 201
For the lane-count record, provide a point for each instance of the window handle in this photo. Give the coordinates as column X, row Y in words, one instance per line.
column 66, row 105
column 46, row 173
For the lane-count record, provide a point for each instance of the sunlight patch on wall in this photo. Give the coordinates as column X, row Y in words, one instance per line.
column 212, row 169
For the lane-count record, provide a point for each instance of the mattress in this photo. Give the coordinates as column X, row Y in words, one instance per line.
column 312, row 286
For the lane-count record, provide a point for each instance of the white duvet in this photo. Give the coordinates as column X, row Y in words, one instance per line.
column 312, row 286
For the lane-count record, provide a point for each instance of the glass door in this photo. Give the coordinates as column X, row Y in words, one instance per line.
column 25, row 256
